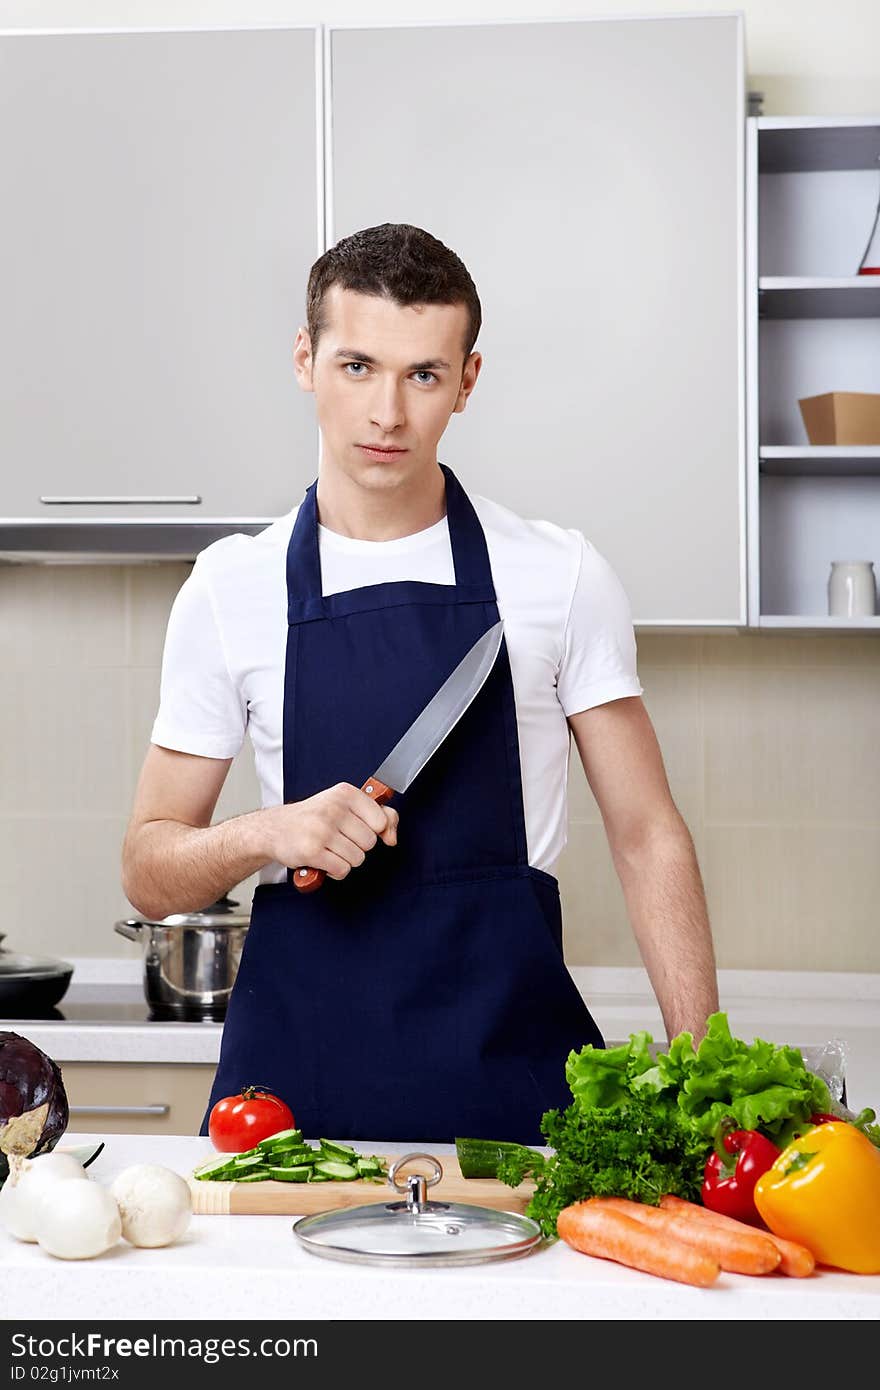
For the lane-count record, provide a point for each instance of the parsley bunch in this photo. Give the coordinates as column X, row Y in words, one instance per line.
column 638, row 1149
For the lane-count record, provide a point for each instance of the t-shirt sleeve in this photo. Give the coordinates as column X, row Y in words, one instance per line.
column 200, row 709
column 599, row 649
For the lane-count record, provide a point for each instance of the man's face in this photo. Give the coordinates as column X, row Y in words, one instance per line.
column 385, row 376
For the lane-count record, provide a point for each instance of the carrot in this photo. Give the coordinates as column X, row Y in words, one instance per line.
column 594, row 1230
column 795, row 1260
column 748, row 1253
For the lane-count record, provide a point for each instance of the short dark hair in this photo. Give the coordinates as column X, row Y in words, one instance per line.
column 401, row 262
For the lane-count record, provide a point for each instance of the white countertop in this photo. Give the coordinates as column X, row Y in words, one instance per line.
column 252, row 1267
column 803, row 1008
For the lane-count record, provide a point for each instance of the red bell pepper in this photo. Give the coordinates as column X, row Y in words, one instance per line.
column 730, row 1174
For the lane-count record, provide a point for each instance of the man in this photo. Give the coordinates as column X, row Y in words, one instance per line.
column 421, row 992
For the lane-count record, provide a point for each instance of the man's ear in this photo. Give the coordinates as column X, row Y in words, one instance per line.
column 470, row 372
column 302, row 359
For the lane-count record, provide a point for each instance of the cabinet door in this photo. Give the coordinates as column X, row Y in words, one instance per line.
column 160, row 216
column 589, row 174
column 136, row 1098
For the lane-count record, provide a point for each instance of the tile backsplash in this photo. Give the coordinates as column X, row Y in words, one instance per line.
column 771, row 744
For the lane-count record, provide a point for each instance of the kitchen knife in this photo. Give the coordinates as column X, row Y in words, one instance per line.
column 426, row 733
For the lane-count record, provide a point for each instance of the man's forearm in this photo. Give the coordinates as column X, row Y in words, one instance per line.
column 667, row 909
column 169, row 867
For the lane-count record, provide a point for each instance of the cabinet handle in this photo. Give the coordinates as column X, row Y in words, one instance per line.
column 120, row 501
column 120, row 1109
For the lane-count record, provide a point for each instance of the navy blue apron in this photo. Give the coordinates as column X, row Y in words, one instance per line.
column 424, row 996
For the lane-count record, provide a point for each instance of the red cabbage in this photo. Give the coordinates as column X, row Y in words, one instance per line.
column 33, row 1102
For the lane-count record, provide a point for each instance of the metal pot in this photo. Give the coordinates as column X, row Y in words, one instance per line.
column 190, row 959
column 30, row 984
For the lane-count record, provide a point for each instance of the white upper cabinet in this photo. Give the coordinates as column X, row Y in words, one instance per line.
column 160, row 215
column 590, row 175
column 165, row 194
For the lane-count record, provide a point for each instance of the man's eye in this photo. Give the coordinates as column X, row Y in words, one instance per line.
column 346, row 366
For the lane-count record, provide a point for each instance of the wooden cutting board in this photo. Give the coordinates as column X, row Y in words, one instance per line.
column 272, row 1198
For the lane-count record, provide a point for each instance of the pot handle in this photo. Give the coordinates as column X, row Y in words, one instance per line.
column 130, row 929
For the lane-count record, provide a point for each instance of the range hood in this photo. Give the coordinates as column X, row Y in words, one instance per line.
column 114, row 541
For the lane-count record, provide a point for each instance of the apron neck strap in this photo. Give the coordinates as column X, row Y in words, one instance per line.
column 470, row 554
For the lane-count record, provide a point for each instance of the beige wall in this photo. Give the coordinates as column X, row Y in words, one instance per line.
column 772, row 748
column 771, row 743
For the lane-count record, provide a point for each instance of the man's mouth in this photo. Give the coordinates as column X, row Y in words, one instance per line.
column 377, row 452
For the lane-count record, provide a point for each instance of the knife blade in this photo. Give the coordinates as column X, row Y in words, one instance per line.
column 426, row 733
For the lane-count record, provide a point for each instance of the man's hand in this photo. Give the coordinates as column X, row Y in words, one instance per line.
column 175, row 860
column 333, row 830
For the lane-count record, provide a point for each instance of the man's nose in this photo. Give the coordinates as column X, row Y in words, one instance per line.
column 388, row 412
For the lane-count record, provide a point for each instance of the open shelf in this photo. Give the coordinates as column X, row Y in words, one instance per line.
column 813, row 326
column 820, row 460
column 808, row 144
column 819, row 297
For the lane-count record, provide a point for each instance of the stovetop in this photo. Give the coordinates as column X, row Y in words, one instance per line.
column 97, row 1004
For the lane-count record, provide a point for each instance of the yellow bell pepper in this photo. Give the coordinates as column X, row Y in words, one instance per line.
column 823, row 1191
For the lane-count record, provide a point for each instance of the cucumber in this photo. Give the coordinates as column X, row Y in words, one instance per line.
column 338, row 1151
column 214, row 1168
column 282, row 1174
column 293, row 1158
column 479, row 1158
column 332, row 1168
column 284, row 1139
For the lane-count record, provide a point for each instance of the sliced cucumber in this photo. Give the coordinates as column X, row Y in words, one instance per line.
column 287, row 1157
column 284, row 1139
column 249, row 1160
column 340, row 1151
column 332, row 1168
column 368, row 1165
column 294, row 1157
column 214, row 1168
column 282, row 1174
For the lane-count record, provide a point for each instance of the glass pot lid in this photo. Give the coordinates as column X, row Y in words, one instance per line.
column 416, row 1231
column 220, row 914
column 18, row 967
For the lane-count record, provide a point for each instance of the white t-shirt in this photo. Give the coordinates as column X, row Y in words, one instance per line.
column 566, row 617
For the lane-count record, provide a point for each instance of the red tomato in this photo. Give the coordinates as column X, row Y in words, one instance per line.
column 239, row 1122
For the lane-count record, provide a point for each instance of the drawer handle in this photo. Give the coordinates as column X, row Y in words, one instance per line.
column 120, row 501
column 120, row 1109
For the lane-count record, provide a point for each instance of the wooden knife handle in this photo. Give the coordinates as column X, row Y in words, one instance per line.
column 307, row 880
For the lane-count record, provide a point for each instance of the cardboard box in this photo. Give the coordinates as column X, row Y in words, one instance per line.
column 842, row 417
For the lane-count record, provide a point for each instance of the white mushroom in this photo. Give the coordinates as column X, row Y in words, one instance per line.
column 77, row 1220
column 155, row 1204
column 29, row 1179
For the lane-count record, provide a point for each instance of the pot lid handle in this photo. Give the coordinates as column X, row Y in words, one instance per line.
column 415, row 1185
column 130, row 929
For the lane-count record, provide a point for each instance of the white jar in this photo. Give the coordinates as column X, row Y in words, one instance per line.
column 852, row 592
